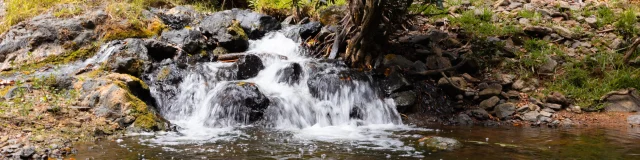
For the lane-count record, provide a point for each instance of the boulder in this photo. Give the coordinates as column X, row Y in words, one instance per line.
column 558, row 98
column 326, row 84
column 464, row 119
column 310, row 29
column 191, row 41
column 233, row 28
column 130, row 57
column 479, row 114
column 395, row 82
column 440, row 143
column 518, row 84
column 438, row 62
column 240, row 102
column 625, row 100
column 493, row 90
column 159, row 50
column 179, row 17
column 488, row 104
column 505, row 110
column 290, row 74
column 548, row 66
column 531, row 116
column 248, row 66
column 404, row 100
column 391, row 60
column 459, row 83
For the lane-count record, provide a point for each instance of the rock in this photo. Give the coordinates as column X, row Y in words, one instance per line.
column 232, row 28
column 436, row 35
column 616, row 43
column 558, row 98
column 464, row 119
column 288, row 20
column 479, row 114
column 505, row 110
column 531, row 116
column 391, row 60
column 553, row 106
column 438, row 62
column 548, row 67
column 419, row 66
column 574, row 109
column 549, row 110
column 159, row 50
column 518, row 84
column 506, row 79
column 625, row 100
column 179, row 17
column 534, row 107
column 523, row 21
column 404, row 100
column 493, row 90
column 310, row 29
column 328, row 83
column 191, row 41
column 592, row 21
column 241, row 102
column 515, row 5
column 546, row 114
column 291, row 74
column 129, row 57
column 469, row 78
column 441, row 143
column 27, row 152
column 537, row 31
column 447, row 86
column 633, row 120
column 248, row 66
column 395, row 82
column 488, row 104
column 564, row 32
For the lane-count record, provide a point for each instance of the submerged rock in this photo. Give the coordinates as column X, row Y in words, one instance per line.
column 404, row 100
column 248, row 66
column 440, row 143
column 327, row 83
column 291, row 74
column 240, row 102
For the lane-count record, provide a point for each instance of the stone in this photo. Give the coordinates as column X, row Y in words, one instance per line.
column 419, row 66
column 248, row 66
column 505, row 110
column 531, row 116
column 633, row 119
column 391, row 60
column 440, row 143
column 395, row 82
column 310, row 29
column 322, row 85
column 553, row 106
column 625, row 100
column 537, row 31
column 616, row 43
column 438, row 62
column 290, row 74
column 523, row 21
column 470, row 78
column 179, row 17
column 506, row 79
column 518, row 84
column 436, row 35
column 574, row 109
column 130, row 56
column 592, row 21
column 221, row 28
column 548, row 66
column 546, row 114
column 493, row 90
column 404, row 100
column 189, row 40
column 464, row 119
column 488, row 104
column 549, row 110
column 564, row 32
column 459, row 82
column 515, row 5
column 523, row 109
column 533, row 107
column 243, row 99
column 557, row 97
column 479, row 114
column 27, row 152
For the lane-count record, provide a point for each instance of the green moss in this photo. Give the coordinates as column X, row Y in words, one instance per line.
column 145, row 119
column 626, row 25
column 64, row 58
column 5, row 90
column 133, row 30
column 236, row 30
column 220, row 51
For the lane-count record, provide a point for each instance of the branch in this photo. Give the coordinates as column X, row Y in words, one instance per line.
column 631, row 50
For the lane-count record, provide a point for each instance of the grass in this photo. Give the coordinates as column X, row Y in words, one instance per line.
column 626, row 23
column 68, row 12
column 20, row 10
column 285, row 7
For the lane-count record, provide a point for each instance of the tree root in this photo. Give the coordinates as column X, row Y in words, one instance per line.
column 627, row 55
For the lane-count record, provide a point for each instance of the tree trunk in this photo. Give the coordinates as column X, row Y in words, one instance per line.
column 365, row 17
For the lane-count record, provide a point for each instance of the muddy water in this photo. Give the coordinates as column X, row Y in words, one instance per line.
column 479, row 143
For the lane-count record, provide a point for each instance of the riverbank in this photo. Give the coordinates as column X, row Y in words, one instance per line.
column 81, row 72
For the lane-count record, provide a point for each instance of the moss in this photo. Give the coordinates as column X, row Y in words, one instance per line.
column 118, row 31
column 5, row 90
column 163, row 74
column 64, row 58
column 145, row 119
column 236, row 30
column 220, row 51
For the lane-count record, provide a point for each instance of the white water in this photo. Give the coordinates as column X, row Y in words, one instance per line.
column 296, row 111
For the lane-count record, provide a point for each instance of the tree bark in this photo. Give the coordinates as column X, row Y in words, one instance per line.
column 365, row 16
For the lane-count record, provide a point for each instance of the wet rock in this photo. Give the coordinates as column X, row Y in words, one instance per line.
column 553, row 106
column 493, row 90
column 391, row 60
column 505, row 110
column 625, row 100
column 241, row 102
column 531, row 116
column 479, row 114
column 222, row 28
column 564, row 32
column 310, row 29
column 441, row 143
column 291, row 74
column 328, row 83
column 159, row 50
column 395, row 82
column 191, row 41
column 248, row 66
column 458, row 83
column 558, row 98
column 488, row 104
column 404, row 100
column 464, row 119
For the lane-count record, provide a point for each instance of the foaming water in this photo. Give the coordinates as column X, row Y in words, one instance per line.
column 294, row 110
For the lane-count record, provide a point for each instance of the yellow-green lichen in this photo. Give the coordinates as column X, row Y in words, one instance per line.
column 236, row 30
column 220, row 51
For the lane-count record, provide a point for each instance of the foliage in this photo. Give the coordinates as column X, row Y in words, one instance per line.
column 20, row 10
column 626, row 24
column 537, row 52
column 67, row 12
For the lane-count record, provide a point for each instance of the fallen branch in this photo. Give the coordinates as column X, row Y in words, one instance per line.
column 230, row 56
column 451, row 82
column 631, row 50
column 436, row 71
column 605, row 31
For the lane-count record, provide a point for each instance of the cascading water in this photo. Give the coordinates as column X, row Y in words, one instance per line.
column 327, row 102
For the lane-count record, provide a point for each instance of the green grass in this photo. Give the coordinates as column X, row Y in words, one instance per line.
column 626, row 23
column 20, row 10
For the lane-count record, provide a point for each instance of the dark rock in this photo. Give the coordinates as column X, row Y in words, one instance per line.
column 505, row 110
column 240, row 102
column 404, row 100
column 512, row 95
column 391, row 60
column 438, row 62
column 506, row 79
column 538, row 31
column 27, row 152
column 459, row 83
column 310, row 29
column 548, row 67
column 493, row 90
column 464, row 119
column 130, row 57
column 479, row 114
column 248, row 66
column 395, row 82
column 436, row 35
column 159, row 50
column 488, row 104
column 179, row 17
column 290, row 74
column 558, row 98
column 441, row 143
column 219, row 28
column 191, row 41
column 626, row 100
column 418, row 66
column 328, row 83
